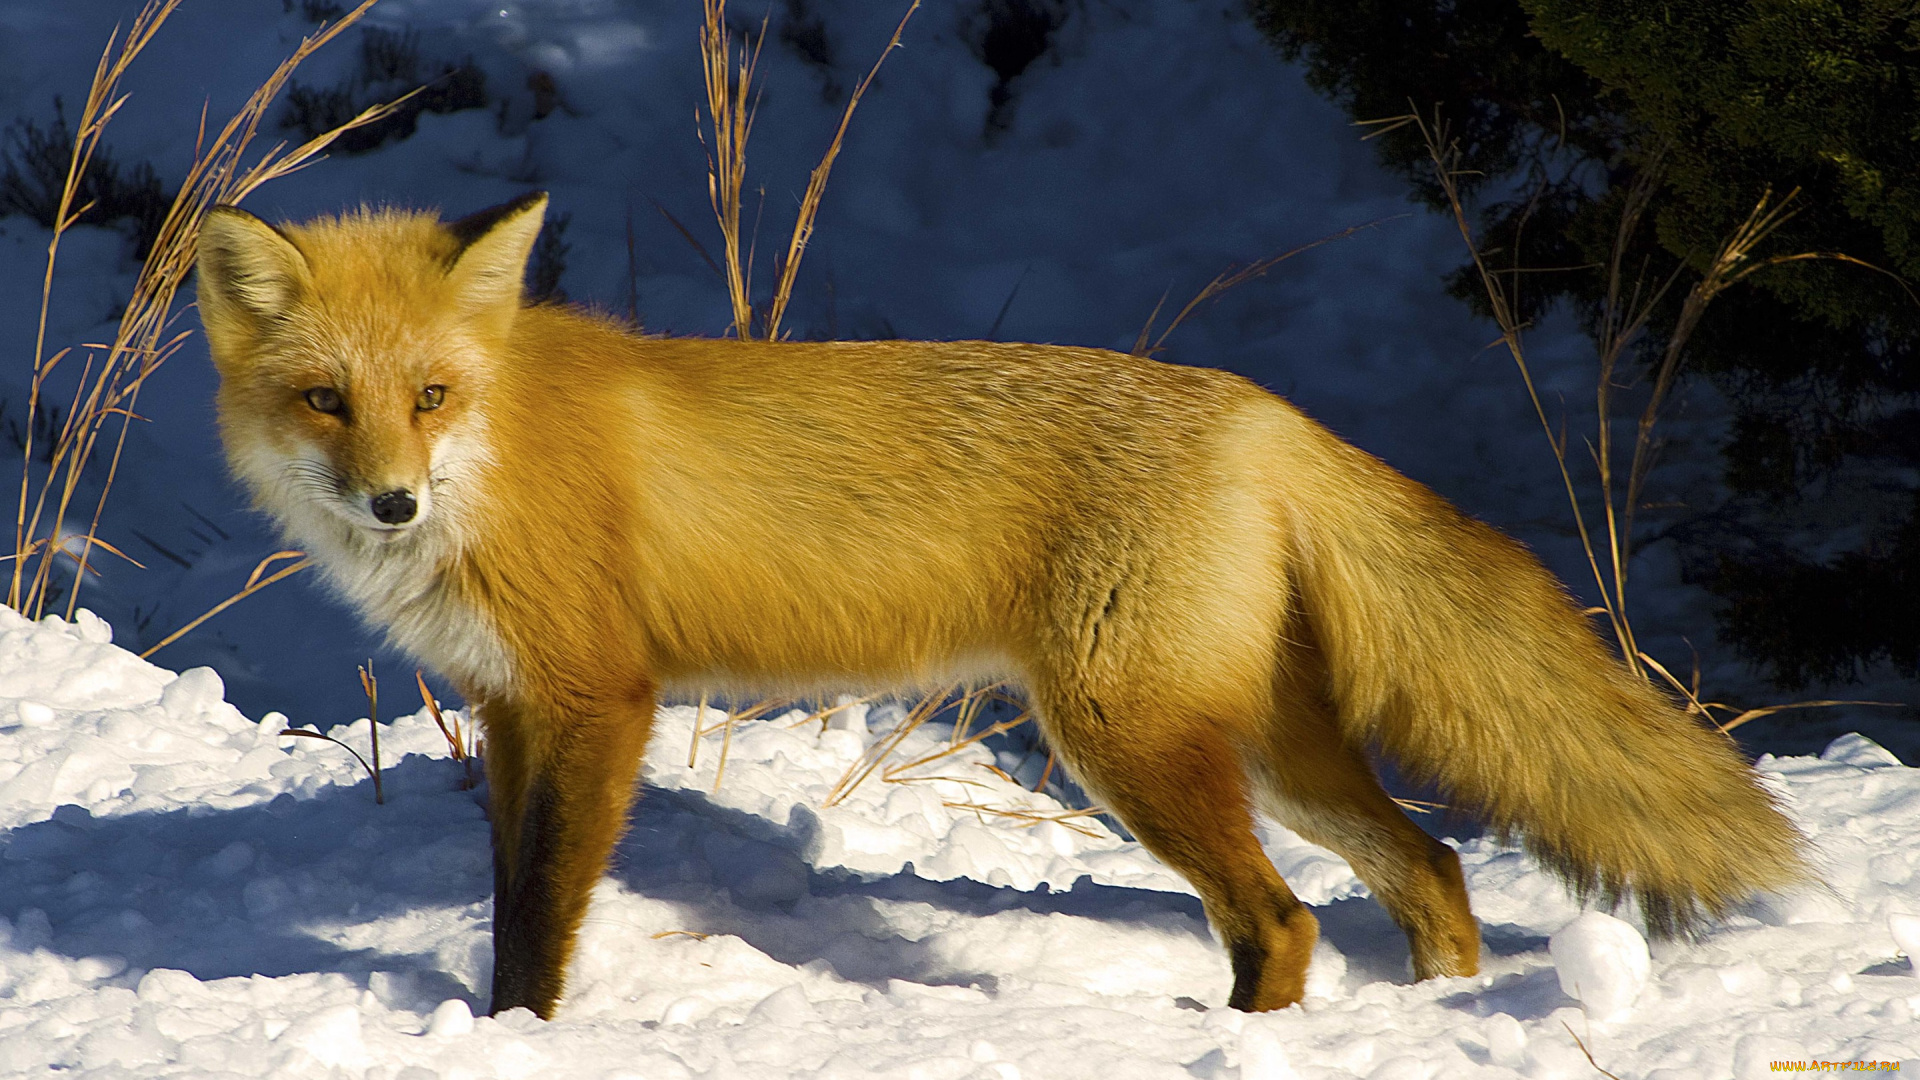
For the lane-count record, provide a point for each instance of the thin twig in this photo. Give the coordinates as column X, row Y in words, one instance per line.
column 254, row 584
column 309, row 733
column 1587, row 1052
column 884, row 747
column 1444, row 156
column 699, row 722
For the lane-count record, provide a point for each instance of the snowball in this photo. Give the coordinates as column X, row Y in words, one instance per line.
column 1603, row 963
column 1906, row 934
column 1506, row 1041
column 451, row 1019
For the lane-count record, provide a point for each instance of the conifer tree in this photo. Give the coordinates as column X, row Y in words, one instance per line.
column 1559, row 107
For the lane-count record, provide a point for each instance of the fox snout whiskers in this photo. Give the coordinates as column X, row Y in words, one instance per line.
column 389, row 511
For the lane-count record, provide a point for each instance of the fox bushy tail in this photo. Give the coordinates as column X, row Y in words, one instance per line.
column 1454, row 652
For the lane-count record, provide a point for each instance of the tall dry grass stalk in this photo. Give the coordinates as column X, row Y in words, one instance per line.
column 113, row 373
column 1625, row 313
column 731, row 104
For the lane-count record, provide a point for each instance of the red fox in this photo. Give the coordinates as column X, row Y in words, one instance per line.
column 1213, row 603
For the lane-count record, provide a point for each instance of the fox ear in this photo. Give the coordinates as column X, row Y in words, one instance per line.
column 249, row 270
column 494, row 246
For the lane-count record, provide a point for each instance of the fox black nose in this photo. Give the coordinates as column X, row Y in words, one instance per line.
column 395, row 507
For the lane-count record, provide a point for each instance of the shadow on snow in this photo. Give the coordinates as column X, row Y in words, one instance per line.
column 287, row 886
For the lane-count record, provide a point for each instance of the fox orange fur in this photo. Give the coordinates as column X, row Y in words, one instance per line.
column 1213, row 602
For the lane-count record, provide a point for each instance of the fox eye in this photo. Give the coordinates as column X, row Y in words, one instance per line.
column 431, row 398
column 325, row 399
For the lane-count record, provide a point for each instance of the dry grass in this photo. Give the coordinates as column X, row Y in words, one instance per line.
column 699, row 725
column 1029, row 818
column 112, row 373
column 817, row 186
column 309, row 733
column 966, row 705
column 1711, row 711
column 463, row 742
column 1628, row 307
column 371, row 686
column 1588, row 1053
column 1231, row 278
column 822, row 715
column 726, row 726
column 255, row 582
column 731, row 104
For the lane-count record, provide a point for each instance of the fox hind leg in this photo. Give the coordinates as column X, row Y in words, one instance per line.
column 1323, row 788
column 1179, row 786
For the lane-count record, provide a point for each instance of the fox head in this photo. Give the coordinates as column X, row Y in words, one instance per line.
column 355, row 355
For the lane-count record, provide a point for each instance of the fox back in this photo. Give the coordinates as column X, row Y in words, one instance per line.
column 767, row 517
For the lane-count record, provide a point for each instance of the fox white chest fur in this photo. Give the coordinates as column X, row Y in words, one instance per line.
column 400, row 582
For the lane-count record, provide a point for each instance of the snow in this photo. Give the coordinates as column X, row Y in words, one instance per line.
column 186, row 892
column 183, row 892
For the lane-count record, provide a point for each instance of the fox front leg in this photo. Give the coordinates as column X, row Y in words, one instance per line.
column 560, row 784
